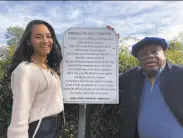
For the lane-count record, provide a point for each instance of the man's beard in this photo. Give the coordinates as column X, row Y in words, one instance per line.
column 151, row 74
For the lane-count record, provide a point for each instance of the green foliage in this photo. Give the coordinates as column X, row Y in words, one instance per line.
column 5, row 62
column 5, row 91
column 175, row 45
column 5, row 102
column 70, row 129
column 104, row 121
column 174, row 56
column 126, row 60
column 13, row 34
column 11, row 50
column 174, row 53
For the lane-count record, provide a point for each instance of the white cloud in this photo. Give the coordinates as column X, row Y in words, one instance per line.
column 75, row 14
column 129, row 18
column 171, row 31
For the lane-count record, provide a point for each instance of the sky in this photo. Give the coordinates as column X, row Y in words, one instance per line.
column 129, row 18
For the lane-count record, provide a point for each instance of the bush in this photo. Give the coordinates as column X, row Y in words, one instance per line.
column 5, row 103
column 174, row 56
column 126, row 60
column 5, row 92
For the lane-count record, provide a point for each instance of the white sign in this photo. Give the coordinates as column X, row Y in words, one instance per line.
column 90, row 66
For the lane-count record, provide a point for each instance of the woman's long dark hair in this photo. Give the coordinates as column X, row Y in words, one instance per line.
column 24, row 51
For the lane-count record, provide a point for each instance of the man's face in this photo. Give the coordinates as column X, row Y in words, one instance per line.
column 151, row 59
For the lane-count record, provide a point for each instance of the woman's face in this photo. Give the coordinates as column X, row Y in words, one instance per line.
column 41, row 40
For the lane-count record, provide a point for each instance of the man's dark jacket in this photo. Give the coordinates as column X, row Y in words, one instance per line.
column 131, row 85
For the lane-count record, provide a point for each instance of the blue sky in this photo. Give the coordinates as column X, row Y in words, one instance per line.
column 129, row 18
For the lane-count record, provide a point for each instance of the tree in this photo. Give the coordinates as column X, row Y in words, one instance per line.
column 179, row 37
column 13, row 34
column 126, row 60
column 174, row 56
column 3, row 52
column 174, row 53
column 175, row 45
column 5, row 92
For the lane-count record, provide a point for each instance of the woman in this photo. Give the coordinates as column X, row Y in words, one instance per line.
column 35, row 83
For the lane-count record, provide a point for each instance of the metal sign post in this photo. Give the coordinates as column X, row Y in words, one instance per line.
column 82, row 121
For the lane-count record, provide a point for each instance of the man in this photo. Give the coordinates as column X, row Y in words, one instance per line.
column 152, row 94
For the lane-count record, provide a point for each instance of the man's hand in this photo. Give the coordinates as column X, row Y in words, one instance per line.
column 118, row 35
